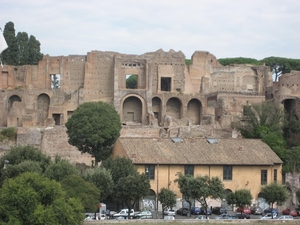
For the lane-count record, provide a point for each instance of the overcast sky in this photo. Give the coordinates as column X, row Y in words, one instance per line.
column 226, row 28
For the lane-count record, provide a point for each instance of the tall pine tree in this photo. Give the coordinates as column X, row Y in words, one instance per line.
column 21, row 49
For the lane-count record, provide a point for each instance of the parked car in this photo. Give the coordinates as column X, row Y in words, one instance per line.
column 220, row 217
column 183, row 211
column 226, row 217
column 256, row 210
column 271, row 210
column 124, row 213
column 196, row 210
column 204, row 210
column 290, row 211
column 201, row 217
column 245, row 210
column 285, row 217
column 169, row 218
column 143, row 215
column 268, row 216
column 242, row 216
column 219, row 210
column 169, row 212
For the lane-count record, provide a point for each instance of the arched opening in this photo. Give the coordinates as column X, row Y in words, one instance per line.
column 174, row 108
column 261, row 202
column 149, row 201
column 156, row 109
column 132, row 110
column 12, row 99
column 290, row 107
column 43, row 102
column 194, row 109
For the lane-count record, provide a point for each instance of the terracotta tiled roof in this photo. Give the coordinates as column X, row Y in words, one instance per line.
column 199, row 151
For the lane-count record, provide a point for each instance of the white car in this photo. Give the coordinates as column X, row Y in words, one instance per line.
column 285, row 217
column 169, row 218
column 169, row 212
column 268, row 216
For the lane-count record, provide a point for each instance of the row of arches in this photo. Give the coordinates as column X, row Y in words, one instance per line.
column 150, row 201
column 42, row 107
column 134, row 110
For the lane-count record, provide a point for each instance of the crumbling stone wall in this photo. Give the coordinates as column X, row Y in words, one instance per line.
column 166, row 87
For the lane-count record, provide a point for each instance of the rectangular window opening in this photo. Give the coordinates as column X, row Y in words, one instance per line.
column 189, row 170
column 227, row 172
column 56, row 118
column 55, row 81
column 131, row 81
column 150, row 171
column 264, row 177
column 275, row 175
column 165, row 84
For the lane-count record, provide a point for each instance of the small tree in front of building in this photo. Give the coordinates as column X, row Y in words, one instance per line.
column 132, row 188
column 184, row 184
column 240, row 198
column 274, row 193
column 204, row 187
column 167, row 199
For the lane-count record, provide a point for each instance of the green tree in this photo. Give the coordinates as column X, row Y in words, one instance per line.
column 131, row 188
column 131, row 81
column 31, row 199
column 21, row 159
column 119, row 167
column 59, row 169
column 204, row 187
column 184, row 184
column 261, row 119
column 279, row 65
column 102, row 179
column 239, row 60
column 291, row 131
column 240, row 198
column 167, row 198
column 94, row 128
column 22, row 41
column 34, row 51
column 15, row 170
column 274, row 193
column 21, row 49
column 88, row 193
column 10, row 55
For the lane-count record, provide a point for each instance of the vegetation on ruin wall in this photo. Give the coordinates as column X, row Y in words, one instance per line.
column 8, row 133
column 22, row 49
column 278, row 65
column 279, row 130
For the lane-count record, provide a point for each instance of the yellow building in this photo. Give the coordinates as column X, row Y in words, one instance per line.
column 239, row 163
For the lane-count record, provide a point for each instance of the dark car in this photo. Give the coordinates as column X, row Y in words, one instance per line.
column 183, row 212
column 218, row 210
column 205, row 211
column 271, row 210
column 242, row 216
column 256, row 210
column 196, row 210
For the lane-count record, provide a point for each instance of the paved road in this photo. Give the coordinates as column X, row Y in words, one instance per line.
column 213, row 215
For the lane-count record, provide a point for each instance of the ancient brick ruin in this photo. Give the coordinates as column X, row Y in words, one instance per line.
column 171, row 99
